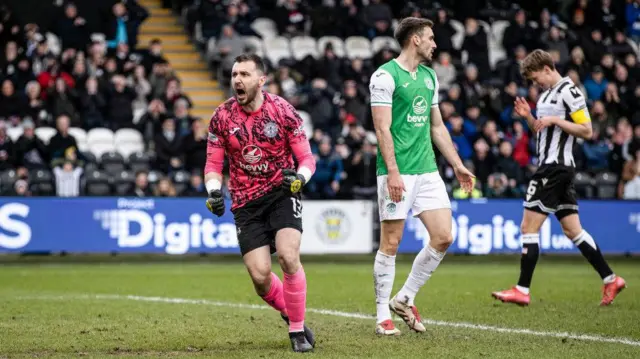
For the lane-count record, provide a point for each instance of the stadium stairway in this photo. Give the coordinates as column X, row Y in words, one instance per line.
column 185, row 59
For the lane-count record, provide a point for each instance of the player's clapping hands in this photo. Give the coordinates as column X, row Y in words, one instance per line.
column 521, row 107
column 215, row 203
column 292, row 182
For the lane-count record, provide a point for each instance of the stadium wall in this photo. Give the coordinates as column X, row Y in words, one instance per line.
column 183, row 225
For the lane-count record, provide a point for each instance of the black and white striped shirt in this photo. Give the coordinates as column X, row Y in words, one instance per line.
column 68, row 182
column 563, row 100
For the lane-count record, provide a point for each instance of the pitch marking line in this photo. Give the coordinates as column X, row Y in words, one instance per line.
column 335, row 313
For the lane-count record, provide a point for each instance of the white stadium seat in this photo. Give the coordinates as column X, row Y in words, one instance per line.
column 128, row 141
column 265, row 27
column 358, row 47
column 338, row 45
column 100, row 148
column 496, row 53
column 306, row 123
column 378, row 43
column 14, row 133
column 100, row 135
column 277, row 48
column 81, row 137
column 303, row 46
column 45, row 133
column 486, row 26
column 54, row 44
column 458, row 38
column 255, row 43
column 498, row 28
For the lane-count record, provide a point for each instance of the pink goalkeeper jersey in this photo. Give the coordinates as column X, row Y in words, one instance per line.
column 258, row 146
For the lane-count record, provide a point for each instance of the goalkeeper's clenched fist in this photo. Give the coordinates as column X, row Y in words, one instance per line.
column 292, row 182
column 215, row 203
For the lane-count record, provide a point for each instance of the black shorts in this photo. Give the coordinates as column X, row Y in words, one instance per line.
column 258, row 221
column 551, row 190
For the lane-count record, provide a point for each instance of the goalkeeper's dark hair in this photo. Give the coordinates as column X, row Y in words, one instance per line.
column 252, row 58
column 410, row 26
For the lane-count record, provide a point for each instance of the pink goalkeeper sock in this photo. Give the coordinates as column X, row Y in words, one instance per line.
column 275, row 297
column 295, row 295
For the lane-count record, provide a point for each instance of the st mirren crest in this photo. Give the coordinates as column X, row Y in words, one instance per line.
column 429, row 83
column 271, row 129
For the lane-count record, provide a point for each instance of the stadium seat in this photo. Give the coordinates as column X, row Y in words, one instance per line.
column 97, row 184
column 100, row 140
column 88, row 157
column 255, row 44
column 303, row 46
column 100, row 135
column 487, row 28
column 606, row 184
column 306, row 123
column 358, row 47
column 112, row 162
column 338, row 45
column 154, row 176
column 380, row 42
column 496, row 53
column 123, row 182
column 265, row 27
column 583, row 183
column 139, row 161
column 81, row 138
column 180, row 181
column 7, row 179
column 458, row 38
column 42, row 183
column 276, row 49
column 128, row 141
column 14, row 133
column 498, row 28
column 45, row 133
column 54, row 44
column 634, row 46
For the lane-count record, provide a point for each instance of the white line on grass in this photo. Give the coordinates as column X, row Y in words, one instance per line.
column 335, row 313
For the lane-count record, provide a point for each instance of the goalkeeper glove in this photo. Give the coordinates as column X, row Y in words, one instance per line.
column 292, row 181
column 215, row 203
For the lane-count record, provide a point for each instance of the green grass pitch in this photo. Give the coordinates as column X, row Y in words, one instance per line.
column 134, row 309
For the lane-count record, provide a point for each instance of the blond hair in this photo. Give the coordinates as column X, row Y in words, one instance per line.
column 536, row 61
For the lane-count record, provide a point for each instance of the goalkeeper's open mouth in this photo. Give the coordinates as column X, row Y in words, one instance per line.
column 240, row 93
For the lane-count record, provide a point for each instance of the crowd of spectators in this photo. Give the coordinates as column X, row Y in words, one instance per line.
column 89, row 80
column 593, row 42
column 110, row 82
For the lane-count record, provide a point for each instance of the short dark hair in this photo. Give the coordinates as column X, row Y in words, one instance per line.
column 253, row 58
column 410, row 26
column 536, row 61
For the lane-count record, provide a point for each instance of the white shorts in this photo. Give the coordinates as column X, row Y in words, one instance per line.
column 424, row 192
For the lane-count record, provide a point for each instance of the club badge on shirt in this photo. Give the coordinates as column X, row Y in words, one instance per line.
column 271, row 129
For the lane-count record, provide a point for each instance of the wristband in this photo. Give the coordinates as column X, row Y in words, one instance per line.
column 306, row 173
column 212, row 185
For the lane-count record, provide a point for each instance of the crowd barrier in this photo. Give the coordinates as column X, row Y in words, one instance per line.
column 183, row 225
column 164, row 225
column 493, row 226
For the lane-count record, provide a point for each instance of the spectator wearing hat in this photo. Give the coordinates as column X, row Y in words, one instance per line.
column 30, row 151
column 67, row 178
column 325, row 183
column 596, row 84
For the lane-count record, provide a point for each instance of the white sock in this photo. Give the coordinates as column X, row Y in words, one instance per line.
column 423, row 266
column 384, row 271
column 609, row 279
column 523, row 290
